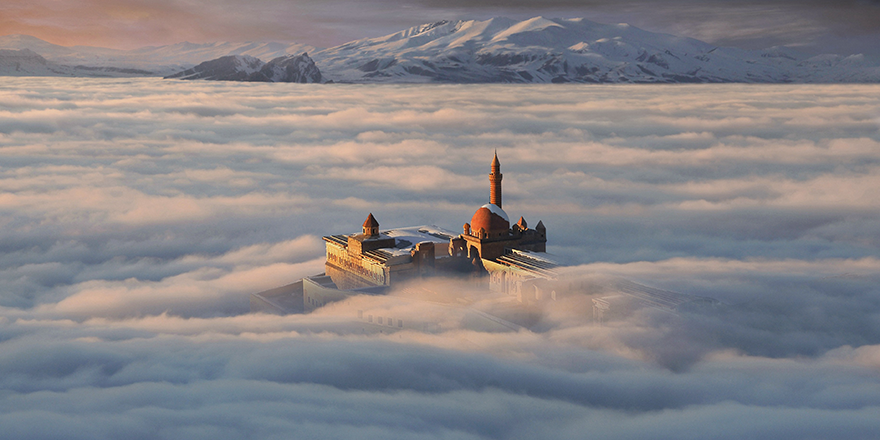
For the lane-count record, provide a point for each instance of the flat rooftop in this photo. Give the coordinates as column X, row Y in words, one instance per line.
column 405, row 238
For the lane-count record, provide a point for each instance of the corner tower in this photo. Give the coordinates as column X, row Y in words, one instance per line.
column 495, row 182
column 371, row 226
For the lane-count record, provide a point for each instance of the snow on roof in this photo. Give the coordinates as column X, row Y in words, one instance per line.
column 495, row 209
column 408, row 237
column 541, row 256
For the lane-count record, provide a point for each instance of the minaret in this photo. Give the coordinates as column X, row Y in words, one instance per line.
column 495, row 182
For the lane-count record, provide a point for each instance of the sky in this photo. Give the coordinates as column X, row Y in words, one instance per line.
column 846, row 27
column 138, row 214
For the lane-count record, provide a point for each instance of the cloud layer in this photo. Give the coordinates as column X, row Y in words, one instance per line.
column 136, row 216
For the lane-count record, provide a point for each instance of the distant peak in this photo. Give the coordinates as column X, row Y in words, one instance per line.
column 422, row 28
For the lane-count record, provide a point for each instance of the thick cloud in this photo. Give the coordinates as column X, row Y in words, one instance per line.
column 136, row 216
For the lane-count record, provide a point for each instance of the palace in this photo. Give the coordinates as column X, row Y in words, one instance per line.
column 506, row 264
column 511, row 257
column 374, row 258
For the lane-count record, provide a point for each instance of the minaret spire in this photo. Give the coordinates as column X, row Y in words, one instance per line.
column 495, row 182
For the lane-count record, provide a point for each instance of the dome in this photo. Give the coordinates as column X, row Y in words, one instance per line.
column 491, row 218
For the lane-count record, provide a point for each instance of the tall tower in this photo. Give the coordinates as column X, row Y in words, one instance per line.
column 495, row 182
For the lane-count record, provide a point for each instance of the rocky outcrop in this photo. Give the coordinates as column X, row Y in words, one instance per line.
column 228, row 68
column 292, row 68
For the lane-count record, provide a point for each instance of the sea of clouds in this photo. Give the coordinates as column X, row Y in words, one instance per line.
column 137, row 215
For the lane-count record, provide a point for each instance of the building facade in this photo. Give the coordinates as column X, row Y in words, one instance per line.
column 489, row 249
column 374, row 257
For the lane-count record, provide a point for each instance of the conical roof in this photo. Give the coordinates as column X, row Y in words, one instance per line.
column 371, row 222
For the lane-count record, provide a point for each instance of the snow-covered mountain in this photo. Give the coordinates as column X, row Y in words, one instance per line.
column 153, row 61
column 537, row 50
column 26, row 62
column 571, row 50
column 297, row 69
column 227, row 68
column 191, row 54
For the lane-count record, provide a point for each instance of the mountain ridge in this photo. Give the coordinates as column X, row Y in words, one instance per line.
column 157, row 60
column 537, row 50
column 292, row 68
column 541, row 50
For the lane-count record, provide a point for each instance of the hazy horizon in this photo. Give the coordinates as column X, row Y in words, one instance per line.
column 815, row 27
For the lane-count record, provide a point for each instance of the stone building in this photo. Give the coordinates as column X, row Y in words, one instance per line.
column 511, row 256
column 374, row 258
column 507, row 262
column 489, row 234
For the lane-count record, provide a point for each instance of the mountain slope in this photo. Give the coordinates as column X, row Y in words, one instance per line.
column 227, row 68
column 297, row 69
column 569, row 50
column 26, row 62
column 538, row 50
column 158, row 61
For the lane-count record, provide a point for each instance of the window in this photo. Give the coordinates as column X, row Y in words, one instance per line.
column 360, row 314
column 400, row 323
column 379, row 319
column 369, row 318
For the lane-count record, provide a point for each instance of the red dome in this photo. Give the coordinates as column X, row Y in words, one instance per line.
column 489, row 221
